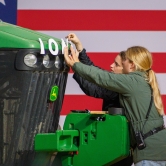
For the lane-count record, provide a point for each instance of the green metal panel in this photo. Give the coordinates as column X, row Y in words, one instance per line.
column 13, row 36
column 61, row 141
column 101, row 142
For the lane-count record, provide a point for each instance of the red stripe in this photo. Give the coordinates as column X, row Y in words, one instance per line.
column 82, row 102
column 104, row 60
column 92, row 19
column 164, row 102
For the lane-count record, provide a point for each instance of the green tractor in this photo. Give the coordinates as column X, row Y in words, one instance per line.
column 33, row 78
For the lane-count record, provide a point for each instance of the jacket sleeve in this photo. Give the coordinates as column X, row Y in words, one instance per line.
column 94, row 90
column 89, row 88
column 83, row 57
column 121, row 83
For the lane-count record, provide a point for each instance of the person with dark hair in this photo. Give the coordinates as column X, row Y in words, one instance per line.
column 139, row 94
column 110, row 98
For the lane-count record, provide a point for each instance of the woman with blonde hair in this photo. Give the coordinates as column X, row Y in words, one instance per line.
column 140, row 96
column 138, row 56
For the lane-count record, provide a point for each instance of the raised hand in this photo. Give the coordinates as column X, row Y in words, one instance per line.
column 70, row 59
column 74, row 39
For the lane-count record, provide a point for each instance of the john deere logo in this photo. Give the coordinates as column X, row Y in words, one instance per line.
column 54, row 93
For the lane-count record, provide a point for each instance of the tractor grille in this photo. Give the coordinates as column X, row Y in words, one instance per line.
column 26, row 111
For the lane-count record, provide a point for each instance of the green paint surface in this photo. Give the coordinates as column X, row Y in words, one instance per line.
column 18, row 37
column 54, row 93
column 87, row 141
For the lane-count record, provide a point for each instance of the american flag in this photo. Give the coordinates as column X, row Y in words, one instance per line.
column 105, row 28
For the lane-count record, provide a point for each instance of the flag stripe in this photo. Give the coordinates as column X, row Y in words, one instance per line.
column 91, row 5
column 72, row 88
column 82, row 102
column 104, row 60
column 96, row 19
column 115, row 41
column 105, row 28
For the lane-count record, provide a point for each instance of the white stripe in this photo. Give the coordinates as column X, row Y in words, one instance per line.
column 62, row 120
column 161, row 78
column 93, row 5
column 116, row 41
column 72, row 88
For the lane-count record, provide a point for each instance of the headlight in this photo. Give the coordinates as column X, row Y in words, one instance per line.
column 46, row 61
column 57, row 62
column 30, row 60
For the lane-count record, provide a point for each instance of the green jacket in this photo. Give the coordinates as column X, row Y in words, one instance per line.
column 136, row 95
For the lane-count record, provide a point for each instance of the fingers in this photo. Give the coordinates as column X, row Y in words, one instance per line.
column 74, row 56
column 77, row 53
column 66, row 56
column 70, row 36
column 73, row 38
column 68, row 59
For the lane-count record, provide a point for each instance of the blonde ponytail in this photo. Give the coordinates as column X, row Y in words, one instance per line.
column 156, row 92
column 142, row 59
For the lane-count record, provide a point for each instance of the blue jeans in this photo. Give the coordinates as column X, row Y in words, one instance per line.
column 150, row 163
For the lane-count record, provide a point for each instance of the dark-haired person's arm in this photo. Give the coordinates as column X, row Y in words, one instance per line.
column 84, row 58
column 92, row 89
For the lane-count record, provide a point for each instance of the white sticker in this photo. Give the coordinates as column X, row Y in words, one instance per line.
column 67, row 42
column 42, row 51
column 50, row 42
column 63, row 45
